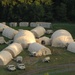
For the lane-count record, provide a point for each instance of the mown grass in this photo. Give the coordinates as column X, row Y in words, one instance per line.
column 57, row 72
column 59, row 55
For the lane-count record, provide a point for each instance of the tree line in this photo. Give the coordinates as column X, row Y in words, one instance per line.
column 37, row 10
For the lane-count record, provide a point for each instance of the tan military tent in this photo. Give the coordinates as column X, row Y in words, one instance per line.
column 39, row 49
column 2, row 26
column 9, row 33
column 33, row 24
column 5, row 57
column 23, row 24
column 14, row 49
column 13, row 24
column 44, row 40
column 44, row 24
column 24, row 37
column 49, row 31
column 2, row 40
column 38, row 31
column 71, row 47
column 61, row 38
column 3, row 23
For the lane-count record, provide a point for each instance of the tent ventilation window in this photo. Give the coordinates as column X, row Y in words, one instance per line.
column 43, row 42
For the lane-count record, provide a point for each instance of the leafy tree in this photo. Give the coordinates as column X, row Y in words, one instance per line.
column 48, row 16
column 70, row 9
column 1, row 9
column 61, row 12
column 36, row 12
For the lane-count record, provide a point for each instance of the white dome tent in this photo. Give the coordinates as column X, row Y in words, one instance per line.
column 2, row 27
column 9, row 33
column 14, row 49
column 61, row 38
column 44, row 40
column 71, row 47
column 24, row 37
column 39, row 49
column 5, row 57
column 38, row 31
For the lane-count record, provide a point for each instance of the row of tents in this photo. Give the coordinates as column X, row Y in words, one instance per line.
column 32, row 24
column 35, row 41
column 21, row 39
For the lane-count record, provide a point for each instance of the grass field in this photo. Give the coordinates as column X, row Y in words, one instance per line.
column 59, row 56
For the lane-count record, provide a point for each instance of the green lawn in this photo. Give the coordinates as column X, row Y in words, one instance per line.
column 56, row 72
column 59, row 55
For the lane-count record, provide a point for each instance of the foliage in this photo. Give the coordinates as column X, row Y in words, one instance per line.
column 37, row 10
